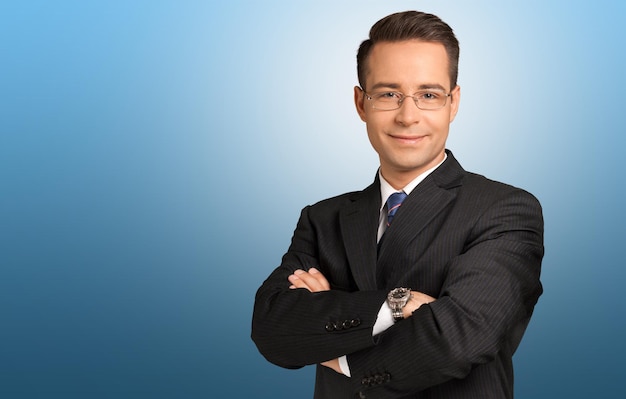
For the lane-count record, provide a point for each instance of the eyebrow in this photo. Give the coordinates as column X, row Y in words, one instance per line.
column 395, row 86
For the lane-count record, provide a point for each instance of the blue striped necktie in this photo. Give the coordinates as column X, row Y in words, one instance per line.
column 393, row 203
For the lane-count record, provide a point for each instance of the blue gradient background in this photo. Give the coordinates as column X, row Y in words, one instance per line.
column 124, row 272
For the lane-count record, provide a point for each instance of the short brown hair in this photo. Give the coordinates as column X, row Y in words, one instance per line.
column 410, row 25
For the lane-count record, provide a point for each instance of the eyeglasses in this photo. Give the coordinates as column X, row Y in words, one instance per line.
column 426, row 99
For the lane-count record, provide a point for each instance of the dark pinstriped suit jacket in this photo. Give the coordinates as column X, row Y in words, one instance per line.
column 474, row 244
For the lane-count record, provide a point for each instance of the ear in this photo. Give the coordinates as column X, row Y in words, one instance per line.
column 455, row 99
column 359, row 102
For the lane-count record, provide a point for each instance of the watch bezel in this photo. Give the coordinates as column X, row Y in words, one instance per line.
column 397, row 300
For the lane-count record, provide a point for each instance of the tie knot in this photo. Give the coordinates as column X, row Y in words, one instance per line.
column 393, row 203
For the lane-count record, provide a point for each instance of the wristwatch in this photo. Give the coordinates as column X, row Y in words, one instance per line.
column 397, row 299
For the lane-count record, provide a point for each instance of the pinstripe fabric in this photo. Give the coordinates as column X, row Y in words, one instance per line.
column 474, row 244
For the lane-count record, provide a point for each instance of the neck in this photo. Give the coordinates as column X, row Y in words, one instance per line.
column 399, row 178
column 398, row 181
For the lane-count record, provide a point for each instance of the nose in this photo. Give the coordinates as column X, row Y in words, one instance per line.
column 408, row 113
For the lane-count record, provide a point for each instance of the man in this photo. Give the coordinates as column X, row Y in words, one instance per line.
column 426, row 295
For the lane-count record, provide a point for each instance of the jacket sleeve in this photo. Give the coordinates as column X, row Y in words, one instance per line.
column 484, row 306
column 294, row 327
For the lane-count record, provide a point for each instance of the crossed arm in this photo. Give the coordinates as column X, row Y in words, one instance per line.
column 314, row 281
column 483, row 303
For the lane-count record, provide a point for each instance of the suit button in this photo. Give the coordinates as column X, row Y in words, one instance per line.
column 356, row 322
column 347, row 324
column 330, row 326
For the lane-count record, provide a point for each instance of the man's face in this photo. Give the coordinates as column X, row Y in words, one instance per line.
column 408, row 140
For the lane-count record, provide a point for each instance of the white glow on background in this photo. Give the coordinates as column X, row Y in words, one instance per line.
column 140, row 157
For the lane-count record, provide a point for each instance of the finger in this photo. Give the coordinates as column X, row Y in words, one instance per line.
column 297, row 282
column 314, row 281
column 324, row 284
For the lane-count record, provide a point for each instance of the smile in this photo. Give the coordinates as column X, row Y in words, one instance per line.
column 407, row 139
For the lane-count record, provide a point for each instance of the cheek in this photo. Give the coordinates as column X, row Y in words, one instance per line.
column 372, row 135
column 372, row 126
column 375, row 137
column 379, row 122
column 438, row 123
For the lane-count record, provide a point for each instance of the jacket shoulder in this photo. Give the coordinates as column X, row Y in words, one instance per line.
column 476, row 182
column 480, row 189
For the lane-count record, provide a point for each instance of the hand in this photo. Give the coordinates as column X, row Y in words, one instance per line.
column 417, row 299
column 333, row 364
column 312, row 280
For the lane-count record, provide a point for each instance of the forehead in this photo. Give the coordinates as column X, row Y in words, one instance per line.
column 408, row 64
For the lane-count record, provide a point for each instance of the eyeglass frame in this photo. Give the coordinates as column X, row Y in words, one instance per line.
column 403, row 97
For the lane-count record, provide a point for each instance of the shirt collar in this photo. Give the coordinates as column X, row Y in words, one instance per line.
column 386, row 189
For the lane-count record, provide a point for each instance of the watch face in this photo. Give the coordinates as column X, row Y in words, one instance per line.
column 397, row 294
column 398, row 297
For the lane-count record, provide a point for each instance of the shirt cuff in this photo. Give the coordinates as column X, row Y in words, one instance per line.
column 343, row 365
column 384, row 320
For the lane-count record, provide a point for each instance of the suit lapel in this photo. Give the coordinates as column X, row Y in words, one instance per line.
column 418, row 210
column 358, row 219
column 359, row 226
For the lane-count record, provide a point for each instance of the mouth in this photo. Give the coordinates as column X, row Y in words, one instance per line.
column 412, row 139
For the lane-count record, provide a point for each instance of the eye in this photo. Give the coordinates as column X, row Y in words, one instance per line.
column 429, row 96
column 387, row 96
